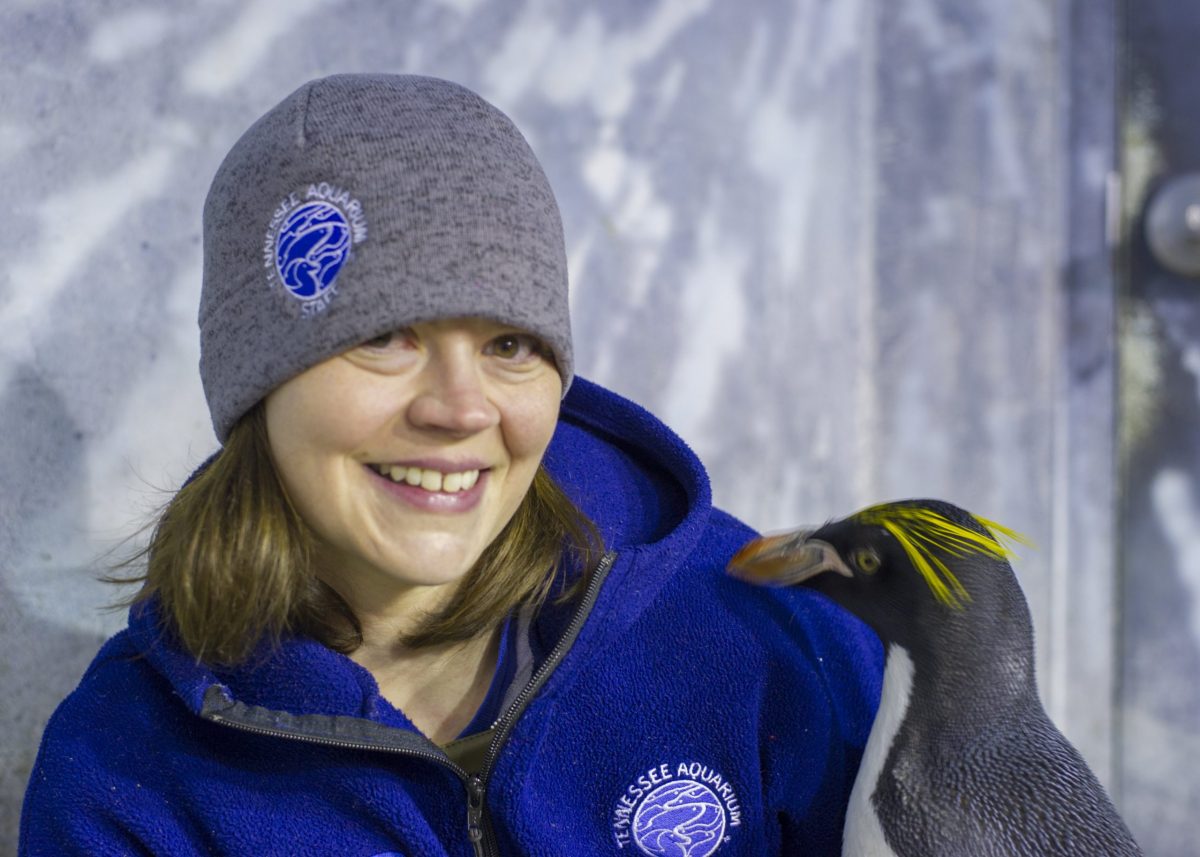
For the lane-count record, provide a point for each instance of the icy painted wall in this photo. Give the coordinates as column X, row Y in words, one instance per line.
column 825, row 241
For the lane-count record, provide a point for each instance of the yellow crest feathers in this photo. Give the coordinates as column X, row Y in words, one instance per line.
column 921, row 531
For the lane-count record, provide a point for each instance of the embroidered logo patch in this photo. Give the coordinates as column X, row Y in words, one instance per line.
column 309, row 240
column 680, row 811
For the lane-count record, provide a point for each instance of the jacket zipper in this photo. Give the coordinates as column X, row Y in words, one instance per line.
column 479, row 828
column 503, row 726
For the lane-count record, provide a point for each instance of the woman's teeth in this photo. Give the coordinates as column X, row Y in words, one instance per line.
column 430, row 480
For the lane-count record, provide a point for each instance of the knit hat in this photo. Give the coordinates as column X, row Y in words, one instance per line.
column 362, row 204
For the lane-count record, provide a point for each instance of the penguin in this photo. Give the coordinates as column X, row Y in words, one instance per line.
column 962, row 759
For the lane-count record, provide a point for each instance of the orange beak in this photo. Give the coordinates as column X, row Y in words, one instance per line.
column 786, row 560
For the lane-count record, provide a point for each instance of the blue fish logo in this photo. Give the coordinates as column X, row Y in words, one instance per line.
column 310, row 248
column 679, row 819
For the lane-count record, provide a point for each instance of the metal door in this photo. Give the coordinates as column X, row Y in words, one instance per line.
column 1158, row 724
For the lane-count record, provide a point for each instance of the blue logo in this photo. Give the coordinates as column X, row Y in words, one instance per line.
column 308, row 241
column 682, row 818
column 684, row 810
column 310, row 249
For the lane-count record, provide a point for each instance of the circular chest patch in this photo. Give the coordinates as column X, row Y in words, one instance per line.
column 679, row 819
column 683, row 810
column 310, row 249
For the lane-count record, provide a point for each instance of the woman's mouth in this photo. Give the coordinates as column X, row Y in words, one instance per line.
column 428, row 479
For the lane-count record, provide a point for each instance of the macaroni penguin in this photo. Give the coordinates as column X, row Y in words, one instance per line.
column 962, row 760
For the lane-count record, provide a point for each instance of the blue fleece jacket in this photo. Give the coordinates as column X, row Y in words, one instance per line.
column 670, row 711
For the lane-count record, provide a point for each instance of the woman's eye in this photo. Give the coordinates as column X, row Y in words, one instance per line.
column 389, row 352
column 391, row 339
column 516, row 347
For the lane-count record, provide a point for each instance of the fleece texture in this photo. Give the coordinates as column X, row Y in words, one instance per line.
column 692, row 715
column 359, row 205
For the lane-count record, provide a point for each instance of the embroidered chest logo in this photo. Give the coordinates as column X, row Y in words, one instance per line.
column 308, row 241
column 681, row 811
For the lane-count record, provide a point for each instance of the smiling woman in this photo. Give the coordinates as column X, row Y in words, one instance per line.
column 434, row 595
column 378, row 488
column 442, row 404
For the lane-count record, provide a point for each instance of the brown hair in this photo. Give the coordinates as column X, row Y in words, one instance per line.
column 231, row 561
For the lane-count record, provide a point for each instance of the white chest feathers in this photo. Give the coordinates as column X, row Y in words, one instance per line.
column 863, row 836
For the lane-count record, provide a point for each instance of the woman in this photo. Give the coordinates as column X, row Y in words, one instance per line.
column 434, row 597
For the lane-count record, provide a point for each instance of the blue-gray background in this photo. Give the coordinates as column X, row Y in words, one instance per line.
column 851, row 251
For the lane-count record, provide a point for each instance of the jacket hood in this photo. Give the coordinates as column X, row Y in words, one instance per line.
column 636, row 479
column 626, row 470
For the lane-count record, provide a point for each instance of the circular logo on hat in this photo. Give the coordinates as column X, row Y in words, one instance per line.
column 311, row 248
column 679, row 819
column 309, row 240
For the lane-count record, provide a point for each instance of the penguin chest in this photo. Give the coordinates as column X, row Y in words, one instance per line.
column 863, row 835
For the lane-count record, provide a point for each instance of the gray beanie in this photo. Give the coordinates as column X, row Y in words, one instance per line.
column 362, row 204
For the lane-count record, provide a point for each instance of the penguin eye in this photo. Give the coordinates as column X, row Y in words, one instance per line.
column 867, row 560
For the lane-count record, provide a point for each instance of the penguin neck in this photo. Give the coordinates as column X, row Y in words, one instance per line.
column 972, row 662
column 863, row 833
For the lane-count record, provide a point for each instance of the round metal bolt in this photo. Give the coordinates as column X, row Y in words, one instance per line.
column 1173, row 225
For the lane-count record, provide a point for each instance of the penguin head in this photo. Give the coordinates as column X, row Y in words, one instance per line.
column 893, row 565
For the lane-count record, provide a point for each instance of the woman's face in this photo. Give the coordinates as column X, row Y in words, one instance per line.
column 408, row 454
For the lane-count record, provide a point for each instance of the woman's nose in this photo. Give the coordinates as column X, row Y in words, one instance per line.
column 453, row 399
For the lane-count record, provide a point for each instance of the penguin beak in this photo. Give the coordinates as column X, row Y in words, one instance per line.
column 786, row 560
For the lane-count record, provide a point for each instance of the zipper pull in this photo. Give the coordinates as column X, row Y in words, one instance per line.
column 475, row 814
